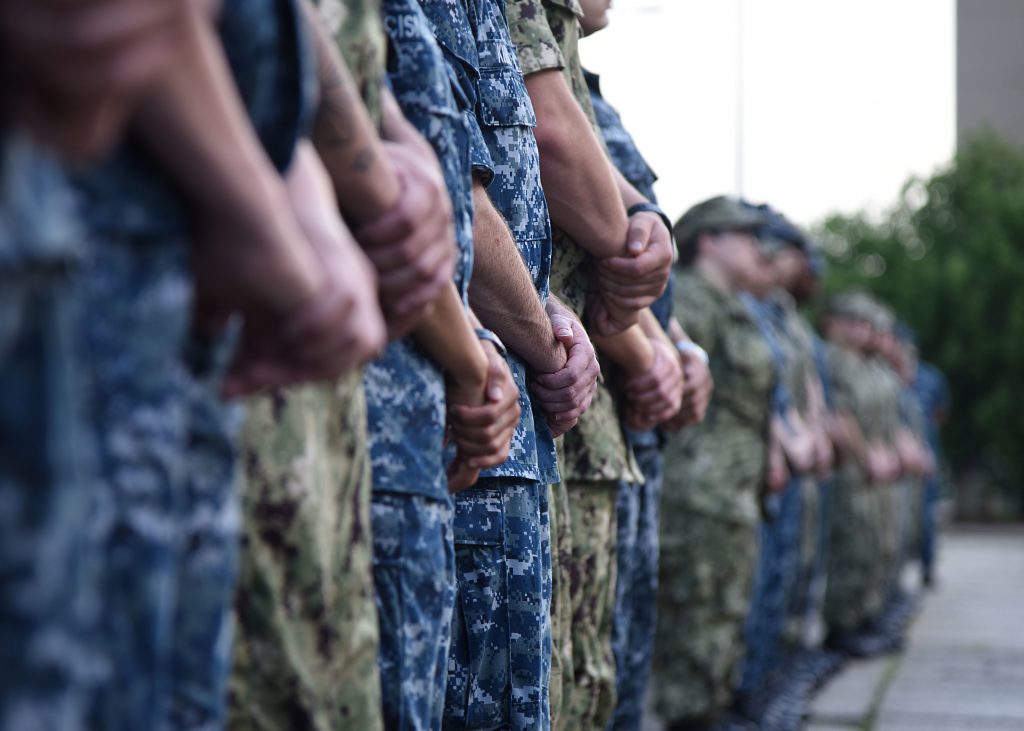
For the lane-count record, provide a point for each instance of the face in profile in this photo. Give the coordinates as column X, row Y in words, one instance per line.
column 595, row 15
column 739, row 257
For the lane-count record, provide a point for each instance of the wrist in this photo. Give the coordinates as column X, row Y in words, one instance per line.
column 689, row 348
column 648, row 207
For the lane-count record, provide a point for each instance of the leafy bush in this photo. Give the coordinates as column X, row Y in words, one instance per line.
column 949, row 258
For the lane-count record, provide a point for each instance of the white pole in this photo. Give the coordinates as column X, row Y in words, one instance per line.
column 740, row 12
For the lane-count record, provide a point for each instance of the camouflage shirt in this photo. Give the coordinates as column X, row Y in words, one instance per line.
column 723, row 458
column 405, row 388
column 357, row 27
column 546, row 36
column 505, row 117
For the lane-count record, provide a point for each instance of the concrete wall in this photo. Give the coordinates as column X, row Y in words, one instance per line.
column 990, row 67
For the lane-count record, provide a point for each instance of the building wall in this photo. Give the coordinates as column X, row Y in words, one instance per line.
column 990, row 67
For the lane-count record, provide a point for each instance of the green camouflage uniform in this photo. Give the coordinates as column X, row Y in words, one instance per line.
column 853, row 542
column 595, row 454
column 713, row 474
column 306, row 655
column 888, row 498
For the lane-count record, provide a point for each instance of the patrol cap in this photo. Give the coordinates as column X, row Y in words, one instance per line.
column 854, row 305
column 778, row 232
column 721, row 213
column 881, row 317
column 816, row 260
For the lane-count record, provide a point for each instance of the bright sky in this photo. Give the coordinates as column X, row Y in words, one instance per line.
column 842, row 101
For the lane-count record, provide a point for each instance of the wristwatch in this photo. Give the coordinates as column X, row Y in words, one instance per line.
column 688, row 346
column 491, row 336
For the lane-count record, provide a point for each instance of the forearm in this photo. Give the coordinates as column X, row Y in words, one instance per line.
column 653, row 329
column 629, row 194
column 447, row 335
column 351, row 150
column 631, row 350
column 581, row 190
column 502, row 293
column 193, row 122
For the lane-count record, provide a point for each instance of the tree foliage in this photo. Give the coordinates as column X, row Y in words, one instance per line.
column 949, row 258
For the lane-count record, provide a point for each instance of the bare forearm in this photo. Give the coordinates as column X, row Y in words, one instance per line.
column 631, row 350
column 502, row 293
column 653, row 329
column 194, row 123
column 345, row 138
column 630, row 195
column 448, row 337
column 582, row 193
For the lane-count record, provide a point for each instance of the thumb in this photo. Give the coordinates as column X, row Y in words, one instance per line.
column 495, row 376
column 561, row 325
column 639, row 235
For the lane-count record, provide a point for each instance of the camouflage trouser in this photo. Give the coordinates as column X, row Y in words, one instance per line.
column 46, row 605
column 561, row 680
column 139, row 302
column 414, row 572
column 306, row 655
column 930, row 495
column 805, row 607
column 636, row 589
column 501, row 625
column 852, row 553
column 895, row 510
column 706, row 579
column 593, row 517
column 209, row 527
column 777, row 568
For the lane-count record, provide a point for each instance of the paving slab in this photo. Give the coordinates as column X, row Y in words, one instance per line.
column 848, row 698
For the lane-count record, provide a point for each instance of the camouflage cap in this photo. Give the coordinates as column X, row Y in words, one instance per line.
column 881, row 317
column 854, row 305
column 778, row 232
column 721, row 213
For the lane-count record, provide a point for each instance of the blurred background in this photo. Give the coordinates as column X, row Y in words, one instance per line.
column 894, row 131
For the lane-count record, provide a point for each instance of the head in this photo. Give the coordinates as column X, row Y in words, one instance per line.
column 595, row 15
column 846, row 330
column 788, row 265
column 735, row 259
column 847, row 321
column 718, row 236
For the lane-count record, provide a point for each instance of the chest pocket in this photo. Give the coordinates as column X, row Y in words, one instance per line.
column 503, row 99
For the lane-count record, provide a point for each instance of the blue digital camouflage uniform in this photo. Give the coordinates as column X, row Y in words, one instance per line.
column 638, row 505
column 595, row 454
column 500, row 656
column 414, row 563
column 780, row 531
column 46, row 480
column 933, row 393
column 166, row 522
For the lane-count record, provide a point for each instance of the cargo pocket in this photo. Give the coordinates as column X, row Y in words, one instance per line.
column 478, row 669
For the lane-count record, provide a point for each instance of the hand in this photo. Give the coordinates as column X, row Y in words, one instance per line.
column 339, row 327
column 72, row 69
column 778, row 472
column 825, row 455
column 628, row 284
column 412, row 245
column 482, row 428
column 657, row 395
column 567, row 393
column 697, row 394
